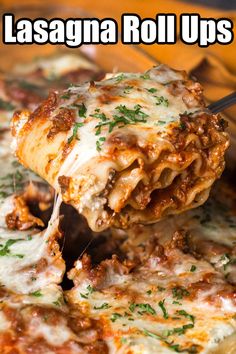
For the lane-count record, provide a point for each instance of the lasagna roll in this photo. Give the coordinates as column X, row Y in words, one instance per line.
column 132, row 148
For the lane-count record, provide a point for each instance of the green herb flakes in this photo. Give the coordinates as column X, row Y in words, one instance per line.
column 162, row 101
column 36, row 293
column 115, row 316
column 104, row 306
column 161, row 304
column 75, row 131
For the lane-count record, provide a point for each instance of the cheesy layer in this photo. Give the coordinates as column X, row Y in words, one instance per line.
column 129, row 149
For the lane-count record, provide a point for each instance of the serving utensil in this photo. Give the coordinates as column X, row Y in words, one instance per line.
column 223, row 103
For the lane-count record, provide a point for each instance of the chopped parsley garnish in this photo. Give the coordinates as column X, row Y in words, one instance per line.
column 101, row 116
column 5, row 250
column 66, row 96
column 104, row 306
column 135, row 114
column 176, row 303
column 75, row 131
column 160, row 122
column 90, row 291
column 171, row 345
column 99, row 143
column 36, row 293
column 128, row 89
column 125, row 116
column 143, row 308
column 193, row 268
column 152, row 90
column 161, row 304
column 191, row 350
column 18, row 255
column 152, row 335
column 145, row 76
column 59, row 301
column 120, row 77
column 82, row 110
column 178, row 330
column 5, row 105
column 179, row 292
column 186, row 314
column 115, row 316
column 162, row 101
column 149, row 292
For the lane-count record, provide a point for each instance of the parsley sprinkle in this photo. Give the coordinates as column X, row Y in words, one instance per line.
column 105, row 305
column 145, row 308
column 82, row 110
column 186, row 314
column 127, row 89
column 19, row 255
column 135, row 115
column 149, row 292
column 179, row 292
column 120, row 77
column 101, row 116
column 75, row 131
column 36, row 293
column 176, row 303
column 193, row 268
column 59, row 301
column 127, row 116
column 152, row 90
column 152, row 335
column 162, row 100
column 5, row 250
column 98, row 143
column 115, row 316
column 163, row 308
column 145, row 76
column 66, row 96
column 90, row 291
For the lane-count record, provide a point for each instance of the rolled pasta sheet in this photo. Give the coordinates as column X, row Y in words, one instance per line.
column 132, row 148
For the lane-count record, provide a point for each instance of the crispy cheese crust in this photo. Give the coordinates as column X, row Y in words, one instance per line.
column 129, row 149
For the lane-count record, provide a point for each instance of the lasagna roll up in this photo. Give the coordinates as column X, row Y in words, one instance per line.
column 132, row 148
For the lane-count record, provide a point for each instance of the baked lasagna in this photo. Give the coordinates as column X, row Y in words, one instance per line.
column 132, row 148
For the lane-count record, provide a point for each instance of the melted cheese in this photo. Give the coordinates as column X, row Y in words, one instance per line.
column 121, row 152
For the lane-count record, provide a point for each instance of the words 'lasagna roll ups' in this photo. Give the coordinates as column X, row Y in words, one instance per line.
column 132, row 148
